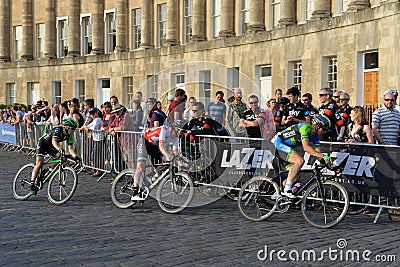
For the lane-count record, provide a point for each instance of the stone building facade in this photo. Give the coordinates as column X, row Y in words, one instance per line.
column 57, row 50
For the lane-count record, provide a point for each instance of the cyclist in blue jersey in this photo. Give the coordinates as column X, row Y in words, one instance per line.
column 302, row 134
column 50, row 144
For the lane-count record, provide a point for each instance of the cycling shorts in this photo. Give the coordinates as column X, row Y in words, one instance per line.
column 283, row 151
column 43, row 148
column 144, row 148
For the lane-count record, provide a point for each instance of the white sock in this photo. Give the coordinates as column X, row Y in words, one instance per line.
column 288, row 186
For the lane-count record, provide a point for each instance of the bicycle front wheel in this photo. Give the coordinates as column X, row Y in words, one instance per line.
column 327, row 208
column 257, row 198
column 122, row 189
column 62, row 186
column 175, row 192
column 22, row 182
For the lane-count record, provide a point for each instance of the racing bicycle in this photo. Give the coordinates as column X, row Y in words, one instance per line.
column 62, row 180
column 324, row 203
column 174, row 193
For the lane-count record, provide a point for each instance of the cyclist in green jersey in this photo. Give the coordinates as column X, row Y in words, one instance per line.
column 305, row 135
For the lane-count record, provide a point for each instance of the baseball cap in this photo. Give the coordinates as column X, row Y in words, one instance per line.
column 152, row 100
column 93, row 110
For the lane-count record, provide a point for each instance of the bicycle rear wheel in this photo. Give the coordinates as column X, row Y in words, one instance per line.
column 22, row 182
column 325, row 213
column 122, row 189
column 257, row 198
column 62, row 186
column 175, row 192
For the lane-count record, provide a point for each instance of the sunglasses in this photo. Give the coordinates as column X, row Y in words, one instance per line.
column 305, row 100
column 335, row 96
column 321, row 95
column 343, row 99
column 195, row 110
column 391, row 100
column 253, row 103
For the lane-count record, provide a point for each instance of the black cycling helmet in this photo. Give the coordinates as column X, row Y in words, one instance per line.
column 70, row 123
column 321, row 120
column 283, row 100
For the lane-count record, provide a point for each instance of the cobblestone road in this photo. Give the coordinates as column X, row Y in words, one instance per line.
column 90, row 231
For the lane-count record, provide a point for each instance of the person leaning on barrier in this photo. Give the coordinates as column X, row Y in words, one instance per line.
column 51, row 144
column 235, row 111
column 305, row 135
column 386, row 122
column 156, row 115
column 250, row 118
column 295, row 112
column 307, row 100
column 359, row 130
column 282, row 102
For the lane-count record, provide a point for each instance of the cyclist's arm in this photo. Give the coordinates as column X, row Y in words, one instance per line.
column 71, row 150
column 316, row 152
column 56, row 144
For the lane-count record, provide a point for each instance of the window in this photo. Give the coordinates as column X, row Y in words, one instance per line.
column 205, row 86
column 179, row 80
column 275, row 12
column 215, row 17
column 80, row 90
column 187, row 20
column 345, row 5
column 371, row 61
column 128, row 88
column 40, row 32
column 57, row 92
column 62, row 37
column 152, row 83
column 17, row 42
column 161, row 24
column 11, row 93
column 232, row 79
column 332, row 73
column 86, row 32
column 34, row 92
column 297, row 71
column 307, row 9
column 244, row 15
column 110, row 31
column 136, row 28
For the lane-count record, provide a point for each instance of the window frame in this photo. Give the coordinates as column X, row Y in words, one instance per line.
column 11, row 97
column 136, row 17
column 275, row 13
column 17, row 42
column 244, row 17
column 332, row 73
column 62, row 40
column 40, row 40
column 86, row 34
column 187, row 20
column 110, row 38
column 161, row 24
column 215, row 19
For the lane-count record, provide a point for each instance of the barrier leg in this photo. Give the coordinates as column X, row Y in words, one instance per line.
column 378, row 214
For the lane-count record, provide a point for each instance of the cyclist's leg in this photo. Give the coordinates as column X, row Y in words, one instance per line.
column 39, row 164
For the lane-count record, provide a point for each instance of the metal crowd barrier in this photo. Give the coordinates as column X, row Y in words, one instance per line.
column 111, row 154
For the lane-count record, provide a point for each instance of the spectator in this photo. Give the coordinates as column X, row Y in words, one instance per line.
column 250, row 118
column 159, row 105
column 177, row 106
column 235, row 111
column 53, row 120
column 328, row 108
column 139, row 97
column 344, row 110
column 386, row 122
column 75, row 114
column 336, row 96
column 123, row 122
column 358, row 130
column 114, row 100
column 307, row 100
column 18, row 114
column 64, row 111
column 395, row 93
column 217, row 109
column 107, row 116
column 188, row 114
column 296, row 112
column 137, row 115
column 96, row 155
column 75, row 102
column 89, row 104
column 82, row 109
column 282, row 102
column 271, row 105
column 156, row 115
column 278, row 94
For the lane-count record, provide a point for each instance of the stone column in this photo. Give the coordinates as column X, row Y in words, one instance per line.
column 288, row 13
column 199, row 21
column 321, row 10
column 122, row 23
column 5, row 30
column 74, row 29
column 172, row 23
column 98, row 27
column 50, row 30
column 27, row 34
column 227, row 18
column 357, row 5
column 257, row 16
column 147, row 26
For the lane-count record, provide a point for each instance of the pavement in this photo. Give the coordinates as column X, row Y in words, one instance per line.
column 90, row 231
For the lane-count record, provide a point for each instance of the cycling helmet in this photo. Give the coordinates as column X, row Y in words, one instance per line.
column 391, row 91
column 70, row 123
column 321, row 120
